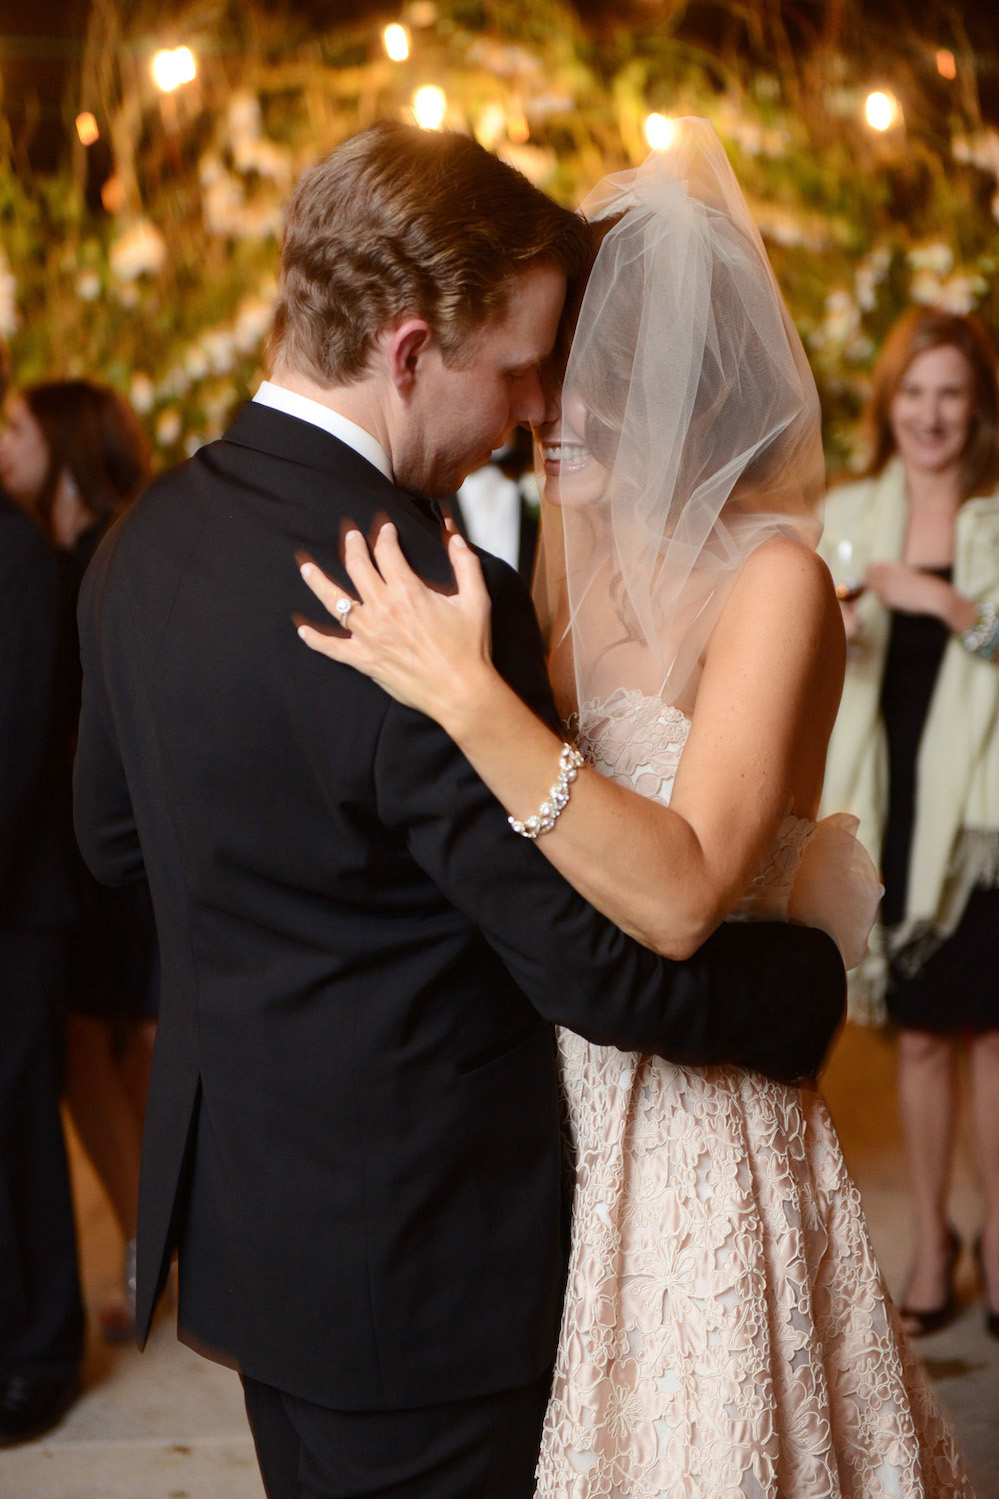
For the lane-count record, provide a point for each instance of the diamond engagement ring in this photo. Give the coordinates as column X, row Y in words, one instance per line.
column 343, row 608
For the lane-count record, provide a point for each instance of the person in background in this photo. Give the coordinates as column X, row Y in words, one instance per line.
column 914, row 546
column 41, row 1314
column 74, row 454
column 497, row 506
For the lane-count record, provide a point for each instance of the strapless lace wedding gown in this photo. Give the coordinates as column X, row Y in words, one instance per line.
column 727, row 1333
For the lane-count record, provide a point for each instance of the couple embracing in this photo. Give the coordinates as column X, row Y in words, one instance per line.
column 390, row 892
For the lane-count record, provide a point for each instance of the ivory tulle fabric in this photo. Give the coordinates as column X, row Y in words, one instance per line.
column 690, row 428
column 727, row 1333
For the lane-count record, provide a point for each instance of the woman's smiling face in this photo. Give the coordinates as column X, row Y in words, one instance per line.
column 932, row 411
column 574, row 476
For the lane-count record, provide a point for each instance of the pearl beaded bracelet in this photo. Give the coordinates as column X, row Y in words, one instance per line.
column 569, row 763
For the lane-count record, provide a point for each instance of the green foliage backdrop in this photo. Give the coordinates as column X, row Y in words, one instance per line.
column 168, row 294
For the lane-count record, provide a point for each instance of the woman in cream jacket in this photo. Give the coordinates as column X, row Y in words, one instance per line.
column 914, row 548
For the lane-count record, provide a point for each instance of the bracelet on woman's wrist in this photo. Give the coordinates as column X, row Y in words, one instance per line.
column 569, row 763
column 983, row 638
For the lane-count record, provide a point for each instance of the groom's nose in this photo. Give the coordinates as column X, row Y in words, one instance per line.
column 551, row 390
column 530, row 401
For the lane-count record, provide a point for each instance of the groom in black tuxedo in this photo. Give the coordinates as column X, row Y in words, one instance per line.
column 353, row 1130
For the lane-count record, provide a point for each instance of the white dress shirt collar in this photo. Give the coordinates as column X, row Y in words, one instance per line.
column 308, row 410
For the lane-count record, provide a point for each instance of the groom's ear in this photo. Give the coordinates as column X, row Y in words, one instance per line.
column 407, row 345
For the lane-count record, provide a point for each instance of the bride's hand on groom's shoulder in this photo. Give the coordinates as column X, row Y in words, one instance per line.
column 427, row 649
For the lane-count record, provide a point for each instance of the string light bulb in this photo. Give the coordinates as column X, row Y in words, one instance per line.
column 881, row 110
column 660, row 131
column 430, row 106
column 87, row 128
column 946, row 63
column 171, row 67
column 395, row 39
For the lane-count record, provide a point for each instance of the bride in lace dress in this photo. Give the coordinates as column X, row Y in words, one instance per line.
column 727, row 1333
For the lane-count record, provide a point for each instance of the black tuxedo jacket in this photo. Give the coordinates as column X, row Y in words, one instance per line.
column 353, row 1124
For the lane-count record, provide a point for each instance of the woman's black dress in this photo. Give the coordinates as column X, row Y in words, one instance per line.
column 958, row 987
column 114, row 967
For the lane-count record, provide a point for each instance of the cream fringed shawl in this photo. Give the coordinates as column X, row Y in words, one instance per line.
column 956, row 836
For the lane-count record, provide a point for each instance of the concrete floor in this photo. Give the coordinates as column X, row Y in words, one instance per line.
column 167, row 1425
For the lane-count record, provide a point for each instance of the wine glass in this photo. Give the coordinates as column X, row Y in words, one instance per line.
column 849, row 585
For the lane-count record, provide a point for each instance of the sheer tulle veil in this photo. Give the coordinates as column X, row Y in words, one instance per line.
column 690, row 429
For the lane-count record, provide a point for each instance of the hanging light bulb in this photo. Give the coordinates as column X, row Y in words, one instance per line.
column 173, row 66
column 430, row 106
column 660, row 131
column 395, row 39
column 87, row 128
column 881, row 111
column 946, row 63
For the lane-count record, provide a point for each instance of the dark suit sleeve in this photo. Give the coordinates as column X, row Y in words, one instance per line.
column 767, row 996
column 27, row 650
column 102, row 807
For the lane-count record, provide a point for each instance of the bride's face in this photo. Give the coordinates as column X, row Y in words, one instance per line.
column 574, row 476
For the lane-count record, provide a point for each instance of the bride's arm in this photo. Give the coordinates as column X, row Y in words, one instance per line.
column 765, row 706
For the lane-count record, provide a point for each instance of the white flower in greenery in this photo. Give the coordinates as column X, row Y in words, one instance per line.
column 265, row 158
column 210, row 169
column 223, row 202
column 253, row 321
column 192, row 442
column 176, row 382
column 870, row 274
column 219, row 348
column 842, row 318
column 140, row 251
column 244, row 117
column 142, row 393
column 960, row 293
column 980, row 150
column 195, row 362
column 263, row 220
column 938, row 258
column 925, row 288
column 783, row 228
column 88, row 286
column 8, row 299
column 168, row 427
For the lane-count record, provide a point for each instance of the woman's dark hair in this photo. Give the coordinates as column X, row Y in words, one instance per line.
column 91, row 433
column 917, row 332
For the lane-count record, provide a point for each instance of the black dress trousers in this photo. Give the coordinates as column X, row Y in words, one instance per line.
column 483, row 1448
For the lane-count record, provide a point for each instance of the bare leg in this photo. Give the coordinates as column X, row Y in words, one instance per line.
column 927, row 1087
column 983, row 1053
column 103, row 1115
column 136, row 1061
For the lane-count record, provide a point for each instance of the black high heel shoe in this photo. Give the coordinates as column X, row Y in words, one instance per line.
column 991, row 1317
column 919, row 1323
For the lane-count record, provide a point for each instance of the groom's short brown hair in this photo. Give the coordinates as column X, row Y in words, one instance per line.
column 397, row 221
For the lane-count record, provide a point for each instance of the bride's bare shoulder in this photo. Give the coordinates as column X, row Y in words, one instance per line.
column 783, row 575
column 783, row 610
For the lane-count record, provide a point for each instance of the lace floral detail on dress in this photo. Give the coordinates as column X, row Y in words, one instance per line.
column 633, row 739
column 726, row 1331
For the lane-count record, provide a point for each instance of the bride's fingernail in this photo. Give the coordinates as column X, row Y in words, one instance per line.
column 301, row 633
column 457, row 540
column 306, row 569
